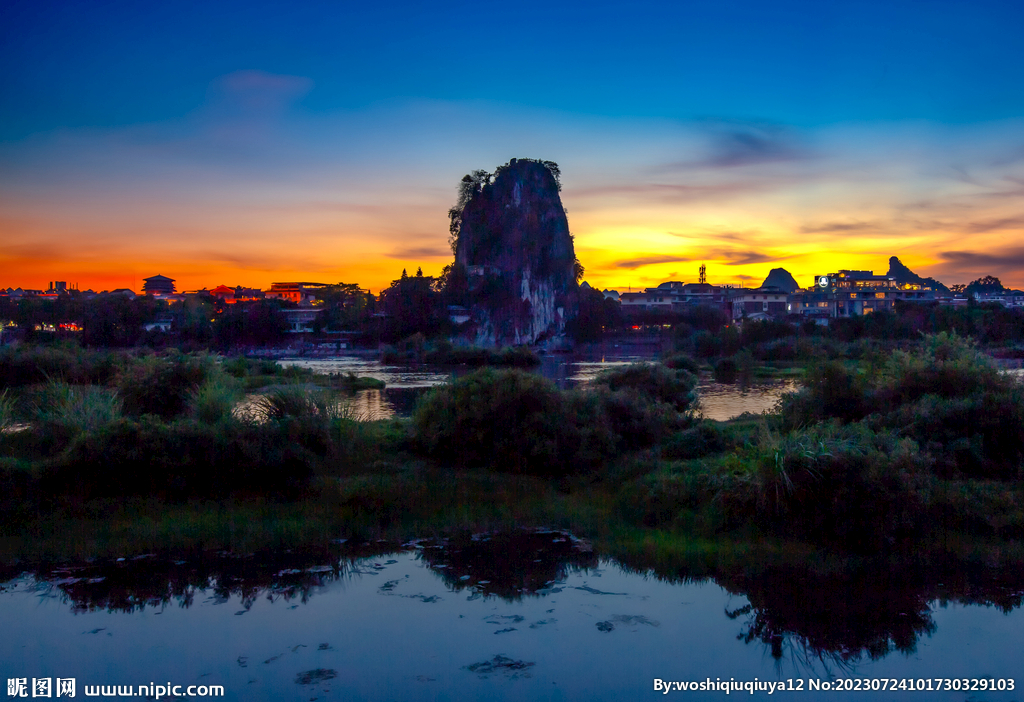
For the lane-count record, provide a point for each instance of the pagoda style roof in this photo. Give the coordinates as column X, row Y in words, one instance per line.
column 159, row 277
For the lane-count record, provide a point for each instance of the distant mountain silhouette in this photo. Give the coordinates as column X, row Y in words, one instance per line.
column 902, row 274
column 782, row 279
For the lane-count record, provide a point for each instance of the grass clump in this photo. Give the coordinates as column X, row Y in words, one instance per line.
column 64, row 410
column 948, row 396
column 7, row 410
column 215, row 400
column 163, row 385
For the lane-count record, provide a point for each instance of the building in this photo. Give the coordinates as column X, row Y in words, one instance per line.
column 853, row 293
column 760, row 303
column 299, row 293
column 237, row 294
column 301, row 320
column 158, row 285
column 675, row 295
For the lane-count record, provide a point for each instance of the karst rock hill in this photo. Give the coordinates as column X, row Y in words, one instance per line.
column 513, row 240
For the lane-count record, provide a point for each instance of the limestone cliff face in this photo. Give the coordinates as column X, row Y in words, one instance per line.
column 515, row 245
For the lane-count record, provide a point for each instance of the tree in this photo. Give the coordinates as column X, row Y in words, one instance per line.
column 988, row 284
column 413, row 305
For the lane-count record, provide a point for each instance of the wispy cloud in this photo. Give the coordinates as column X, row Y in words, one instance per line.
column 996, row 225
column 634, row 263
column 828, row 227
column 1005, row 260
column 420, row 252
column 751, row 144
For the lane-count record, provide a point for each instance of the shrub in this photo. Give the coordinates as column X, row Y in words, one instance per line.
column 726, row 370
column 829, row 483
column 831, row 391
column 696, row 442
column 163, row 385
column 63, row 410
column 980, row 435
column 654, row 381
column 508, row 419
column 180, row 460
column 27, row 364
column 946, row 365
column 681, row 361
column 636, row 420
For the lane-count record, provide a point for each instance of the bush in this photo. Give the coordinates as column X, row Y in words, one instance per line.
column 726, row 370
column 27, row 364
column 163, row 385
column 510, row 420
column 180, row 460
column 635, row 420
column 681, row 361
column 696, row 442
column 946, row 365
column 980, row 435
column 831, row 391
column 654, row 381
column 830, row 483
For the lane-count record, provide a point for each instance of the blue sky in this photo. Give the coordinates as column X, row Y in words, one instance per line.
column 147, row 134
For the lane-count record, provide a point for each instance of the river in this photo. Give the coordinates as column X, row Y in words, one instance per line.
column 531, row 615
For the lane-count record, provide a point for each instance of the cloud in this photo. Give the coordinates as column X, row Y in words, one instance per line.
column 744, row 236
column 753, row 146
column 271, row 261
column 732, row 258
column 258, row 91
column 742, row 258
column 734, row 143
column 421, row 252
column 1007, row 260
column 634, row 263
column 680, row 192
column 837, row 227
column 996, row 224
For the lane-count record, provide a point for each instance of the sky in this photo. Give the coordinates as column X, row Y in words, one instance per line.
column 243, row 143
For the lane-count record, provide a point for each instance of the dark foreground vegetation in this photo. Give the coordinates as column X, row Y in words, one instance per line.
column 908, row 456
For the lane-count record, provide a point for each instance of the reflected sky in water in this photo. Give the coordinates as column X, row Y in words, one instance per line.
column 719, row 401
column 534, row 616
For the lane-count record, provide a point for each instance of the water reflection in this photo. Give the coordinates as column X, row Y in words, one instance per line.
column 404, row 384
column 509, row 565
column 809, row 619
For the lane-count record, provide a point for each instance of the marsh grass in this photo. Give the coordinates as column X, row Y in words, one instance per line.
column 70, row 410
column 215, row 400
column 163, row 384
column 7, row 411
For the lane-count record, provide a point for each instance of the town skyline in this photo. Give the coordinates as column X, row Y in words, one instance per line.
column 248, row 144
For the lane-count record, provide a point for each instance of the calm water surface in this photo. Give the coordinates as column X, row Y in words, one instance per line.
column 405, row 384
column 524, row 616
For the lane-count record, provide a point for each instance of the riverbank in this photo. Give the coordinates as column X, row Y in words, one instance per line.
column 915, row 456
